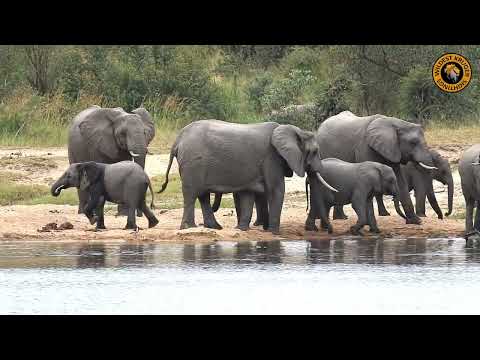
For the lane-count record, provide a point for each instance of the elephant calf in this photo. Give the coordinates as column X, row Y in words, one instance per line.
column 357, row 183
column 421, row 181
column 122, row 183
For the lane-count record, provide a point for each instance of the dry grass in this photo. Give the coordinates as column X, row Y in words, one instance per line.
column 463, row 135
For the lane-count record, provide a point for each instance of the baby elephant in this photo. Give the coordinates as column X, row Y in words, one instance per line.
column 122, row 183
column 357, row 183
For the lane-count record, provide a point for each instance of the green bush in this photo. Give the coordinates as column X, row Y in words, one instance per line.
column 421, row 101
column 286, row 91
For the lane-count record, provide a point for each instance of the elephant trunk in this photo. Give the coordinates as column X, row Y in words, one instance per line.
column 450, row 196
column 137, row 148
column 397, row 207
column 58, row 186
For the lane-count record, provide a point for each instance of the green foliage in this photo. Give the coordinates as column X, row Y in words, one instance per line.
column 421, row 100
column 286, row 91
column 43, row 87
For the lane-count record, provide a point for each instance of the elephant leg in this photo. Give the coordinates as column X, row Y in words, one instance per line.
column 476, row 224
column 432, row 199
column 420, row 198
column 372, row 221
column 188, row 218
column 246, row 205
column 405, row 199
column 152, row 219
column 261, row 207
column 359, row 205
column 470, row 203
column 209, row 220
column 100, row 214
column 238, row 207
column 382, row 211
column 310, row 222
column 338, row 213
column 83, row 197
column 327, row 225
column 275, row 202
column 131, row 219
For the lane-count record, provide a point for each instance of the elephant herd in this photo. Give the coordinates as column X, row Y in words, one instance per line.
column 348, row 160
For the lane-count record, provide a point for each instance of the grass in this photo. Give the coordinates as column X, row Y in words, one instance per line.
column 443, row 135
column 12, row 193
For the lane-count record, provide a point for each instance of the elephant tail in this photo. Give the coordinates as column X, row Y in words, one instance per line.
column 173, row 153
column 217, row 201
column 152, row 204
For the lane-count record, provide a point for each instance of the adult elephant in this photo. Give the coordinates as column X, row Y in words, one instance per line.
column 422, row 185
column 109, row 135
column 221, row 157
column 378, row 138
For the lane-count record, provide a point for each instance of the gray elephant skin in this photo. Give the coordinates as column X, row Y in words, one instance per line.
column 377, row 138
column 123, row 183
column 357, row 183
column 109, row 135
column 469, row 170
column 421, row 182
column 222, row 157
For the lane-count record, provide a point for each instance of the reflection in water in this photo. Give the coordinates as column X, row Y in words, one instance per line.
column 412, row 251
column 91, row 256
column 346, row 275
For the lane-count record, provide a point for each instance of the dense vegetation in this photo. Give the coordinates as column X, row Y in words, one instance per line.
column 43, row 87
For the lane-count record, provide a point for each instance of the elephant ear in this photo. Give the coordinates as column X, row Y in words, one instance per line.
column 97, row 129
column 90, row 173
column 292, row 144
column 147, row 122
column 382, row 137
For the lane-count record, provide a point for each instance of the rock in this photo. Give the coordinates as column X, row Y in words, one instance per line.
column 49, row 227
column 66, row 226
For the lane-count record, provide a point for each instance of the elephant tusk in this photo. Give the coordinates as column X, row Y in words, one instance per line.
column 57, row 190
column 427, row 167
column 325, row 183
column 133, row 154
column 476, row 163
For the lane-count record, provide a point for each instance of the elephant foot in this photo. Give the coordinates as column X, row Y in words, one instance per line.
column 213, row 225
column 242, row 227
column 440, row 216
column 92, row 219
column 340, row 217
column 414, row 220
column 375, row 230
column 274, row 231
column 355, row 230
column 130, row 227
column 152, row 223
column 187, row 225
column 310, row 226
column 383, row 213
column 330, row 229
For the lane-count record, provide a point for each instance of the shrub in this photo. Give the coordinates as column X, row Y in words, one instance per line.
column 286, row 91
column 421, row 101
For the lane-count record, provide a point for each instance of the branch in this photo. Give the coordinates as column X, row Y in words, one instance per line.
column 385, row 65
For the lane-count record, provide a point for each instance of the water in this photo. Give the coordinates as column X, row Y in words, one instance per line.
column 347, row 276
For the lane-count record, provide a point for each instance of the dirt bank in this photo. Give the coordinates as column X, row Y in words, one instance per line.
column 43, row 166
